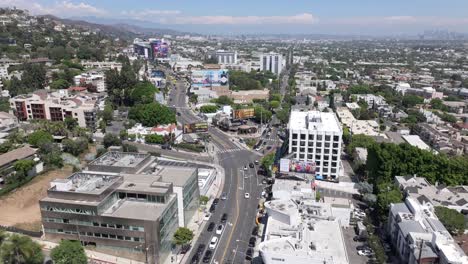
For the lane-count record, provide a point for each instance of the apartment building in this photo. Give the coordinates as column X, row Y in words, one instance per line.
column 442, row 138
column 316, row 137
column 56, row 106
column 96, row 79
column 102, row 65
column 224, row 57
column 419, row 236
column 272, row 62
column 124, row 204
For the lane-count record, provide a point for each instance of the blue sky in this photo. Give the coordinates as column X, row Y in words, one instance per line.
column 273, row 16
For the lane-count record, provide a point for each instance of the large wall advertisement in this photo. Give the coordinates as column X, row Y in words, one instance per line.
column 160, row 48
column 244, row 113
column 208, row 78
column 196, row 127
column 288, row 165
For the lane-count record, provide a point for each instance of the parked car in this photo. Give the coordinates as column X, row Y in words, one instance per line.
column 211, row 226
column 359, row 239
column 257, row 162
column 224, row 196
column 245, row 168
column 224, row 218
column 219, row 229
column 200, row 249
column 195, row 259
column 213, row 242
column 251, row 165
column 185, row 248
column 363, row 247
column 365, row 252
column 207, row 257
column 249, row 254
column 216, row 201
column 247, row 195
column 212, row 208
column 255, row 231
column 252, row 241
column 206, row 217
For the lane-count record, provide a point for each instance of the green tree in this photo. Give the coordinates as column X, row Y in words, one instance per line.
column 283, row 115
column 75, row 147
column 154, row 139
column 452, row 219
column 410, row 100
column 224, row 100
column 152, row 114
column 274, row 104
column 387, row 194
column 22, row 167
column 59, row 84
column 19, row 249
column 262, row 114
column 129, row 148
column 108, row 113
column 209, row 109
column 204, row 199
column 436, row 103
column 143, row 93
column 51, row 155
column 39, row 138
column 111, row 140
column 71, row 123
column 183, row 236
column 69, row 252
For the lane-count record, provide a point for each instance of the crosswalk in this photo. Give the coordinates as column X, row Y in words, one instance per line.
column 228, row 150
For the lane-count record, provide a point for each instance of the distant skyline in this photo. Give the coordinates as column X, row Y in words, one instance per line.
column 366, row 17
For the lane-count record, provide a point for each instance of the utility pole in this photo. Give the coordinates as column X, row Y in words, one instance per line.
column 420, row 251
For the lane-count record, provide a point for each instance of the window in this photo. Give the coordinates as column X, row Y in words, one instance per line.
column 111, row 225
column 120, row 237
column 128, row 238
column 303, row 136
column 335, row 145
column 135, row 228
column 317, row 157
column 319, row 137
column 327, row 145
column 302, row 143
column 327, row 138
column 118, row 226
column 136, row 239
column 103, row 225
column 112, row 236
column 301, row 156
column 310, row 150
column 326, row 151
column 333, row 164
column 294, row 136
column 89, row 233
column 318, row 151
column 309, row 156
column 105, row 235
column 336, row 138
column 319, row 145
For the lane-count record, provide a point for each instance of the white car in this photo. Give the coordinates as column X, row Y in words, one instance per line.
column 213, row 242
column 364, row 252
column 219, row 229
column 207, row 217
column 359, row 214
column 245, row 168
column 247, row 195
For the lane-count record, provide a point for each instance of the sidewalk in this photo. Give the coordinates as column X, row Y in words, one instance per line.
column 93, row 256
column 197, row 224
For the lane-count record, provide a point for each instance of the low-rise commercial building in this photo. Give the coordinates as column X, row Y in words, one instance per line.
column 304, row 233
column 95, row 79
column 124, row 204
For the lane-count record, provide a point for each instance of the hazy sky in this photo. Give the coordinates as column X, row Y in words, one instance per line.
column 270, row 16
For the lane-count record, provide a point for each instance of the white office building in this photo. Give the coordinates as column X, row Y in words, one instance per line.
column 316, row 137
column 225, row 57
column 271, row 62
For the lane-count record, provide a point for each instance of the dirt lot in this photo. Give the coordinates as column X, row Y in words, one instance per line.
column 463, row 242
column 21, row 207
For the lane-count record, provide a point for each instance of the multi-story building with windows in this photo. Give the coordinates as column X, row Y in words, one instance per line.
column 271, row 62
column 224, row 57
column 316, row 137
column 124, row 204
column 56, row 106
column 96, row 79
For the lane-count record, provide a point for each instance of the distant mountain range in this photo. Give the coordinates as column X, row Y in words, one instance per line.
column 115, row 27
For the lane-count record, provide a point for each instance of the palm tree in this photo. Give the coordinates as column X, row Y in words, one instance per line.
column 21, row 249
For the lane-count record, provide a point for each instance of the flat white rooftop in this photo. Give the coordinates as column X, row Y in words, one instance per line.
column 314, row 121
column 416, row 141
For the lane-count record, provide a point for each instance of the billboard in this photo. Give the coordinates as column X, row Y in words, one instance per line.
column 196, row 127
column 160, row 48
column 287, row 165
column 208, row 78
column 244, row 113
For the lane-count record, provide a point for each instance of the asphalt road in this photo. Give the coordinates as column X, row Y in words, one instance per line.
column 233, row 242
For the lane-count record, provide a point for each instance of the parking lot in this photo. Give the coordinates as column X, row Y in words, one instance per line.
column 351, row 245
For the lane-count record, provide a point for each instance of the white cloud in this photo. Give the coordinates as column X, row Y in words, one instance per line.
column 241, row 20
column 149, row 14
column 59, row 8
